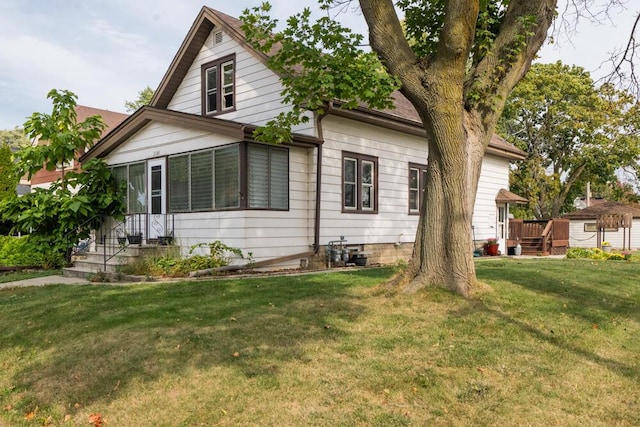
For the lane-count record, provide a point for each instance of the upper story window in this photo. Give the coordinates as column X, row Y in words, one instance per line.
column 417, row 179
column 218, row 86
column 359, row 183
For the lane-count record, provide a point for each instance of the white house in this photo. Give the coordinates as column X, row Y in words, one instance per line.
column 193, row 168
column 617, row 224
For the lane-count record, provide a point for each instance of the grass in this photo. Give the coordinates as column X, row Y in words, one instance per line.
column 13, row 276
column 555, row 342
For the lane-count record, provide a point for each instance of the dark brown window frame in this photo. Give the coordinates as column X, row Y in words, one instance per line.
column 219, row 76
column 243, row 181
column 421, row 172
column 359, row 159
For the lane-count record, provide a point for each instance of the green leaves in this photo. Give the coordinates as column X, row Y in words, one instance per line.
column 573, row 133
column 318, row 62
column 53, row 215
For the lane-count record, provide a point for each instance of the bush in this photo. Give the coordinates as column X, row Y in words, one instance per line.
column 20, row 251
column 178, row 266
column 595, row 253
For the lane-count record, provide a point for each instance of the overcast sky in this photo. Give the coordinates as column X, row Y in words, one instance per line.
column 106, row 51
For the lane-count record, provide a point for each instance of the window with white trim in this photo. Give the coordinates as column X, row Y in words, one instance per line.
column 417, row 178
column 218, row 86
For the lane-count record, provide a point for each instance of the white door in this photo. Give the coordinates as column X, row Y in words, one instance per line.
column 157, row 184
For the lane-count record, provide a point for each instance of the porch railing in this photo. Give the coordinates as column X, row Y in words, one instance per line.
column 539, row 237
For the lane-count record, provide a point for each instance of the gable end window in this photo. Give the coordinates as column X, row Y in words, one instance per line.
column 218, row 86
column 417, row 179
column 359, row 183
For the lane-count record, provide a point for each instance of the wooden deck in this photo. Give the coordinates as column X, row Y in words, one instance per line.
column 539, row 237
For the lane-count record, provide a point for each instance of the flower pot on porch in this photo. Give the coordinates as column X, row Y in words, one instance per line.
column 135, row 239
column 165, row 240
column 122, row 240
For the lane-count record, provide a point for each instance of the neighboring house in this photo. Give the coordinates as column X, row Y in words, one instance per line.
column 610, row 218
column 194, row 170
column 44, row 177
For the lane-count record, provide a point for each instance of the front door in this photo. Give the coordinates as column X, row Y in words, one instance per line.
column 157, row 184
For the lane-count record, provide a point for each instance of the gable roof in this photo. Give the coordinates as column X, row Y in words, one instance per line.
column 111, row 118
column 403, row 117
column 147, row 114
column 604, row 208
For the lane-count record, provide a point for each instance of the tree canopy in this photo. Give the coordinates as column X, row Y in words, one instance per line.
column 54, row 216
column 456, row 61
column 573, row 133
column 144, row 98
column 14, row 138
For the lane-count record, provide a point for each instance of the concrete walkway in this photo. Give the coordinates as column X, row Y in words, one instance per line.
column 47, row 280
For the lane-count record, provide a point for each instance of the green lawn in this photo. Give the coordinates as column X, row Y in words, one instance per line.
column 553, row 343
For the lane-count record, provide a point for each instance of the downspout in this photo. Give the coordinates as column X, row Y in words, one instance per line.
column 316, row 230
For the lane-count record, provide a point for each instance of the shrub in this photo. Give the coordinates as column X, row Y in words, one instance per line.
column 178, row 266
column 16, row 251
column 595, row 253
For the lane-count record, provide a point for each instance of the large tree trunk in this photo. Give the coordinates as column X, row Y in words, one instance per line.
column 459, row 108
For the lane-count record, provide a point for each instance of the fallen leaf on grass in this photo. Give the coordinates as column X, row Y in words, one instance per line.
column 96, row 420
column 595, row 326
column 236, row 354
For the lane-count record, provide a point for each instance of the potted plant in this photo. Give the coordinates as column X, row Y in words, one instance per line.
column 135, row 238
column 606, row 247
column 491, row 247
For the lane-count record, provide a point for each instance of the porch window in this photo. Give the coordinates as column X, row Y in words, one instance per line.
column 134, row 175
column 417, row 179
column 215, row 179
column 359, row 183
column 268, row 179
column 218, row 86
column 192, row 186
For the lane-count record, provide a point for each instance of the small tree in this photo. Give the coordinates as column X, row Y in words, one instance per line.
column 55, row 216
column 144, row 98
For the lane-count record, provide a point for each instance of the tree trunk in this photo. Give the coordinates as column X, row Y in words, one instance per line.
column 459, row 109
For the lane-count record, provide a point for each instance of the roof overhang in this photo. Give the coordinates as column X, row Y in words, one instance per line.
column 147, row 114
column 506, row 196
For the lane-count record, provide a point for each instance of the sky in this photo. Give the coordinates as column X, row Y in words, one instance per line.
column 106, row 51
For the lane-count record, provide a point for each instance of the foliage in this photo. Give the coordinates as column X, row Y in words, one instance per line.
column 455, row 62
column 573, row 133
column 64, row 136
column 283, row 350
column 144, row 98
column 597, row 254
column 8, row 177
column 16, row 251
column 317, row 63
column 14, row 138
column 174, row 265
column 63, row 214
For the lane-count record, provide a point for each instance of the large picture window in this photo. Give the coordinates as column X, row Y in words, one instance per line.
column 218, row 86
column 359, row 183
column 417, row 177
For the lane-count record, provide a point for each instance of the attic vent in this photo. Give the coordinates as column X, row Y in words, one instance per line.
column 217, row 38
